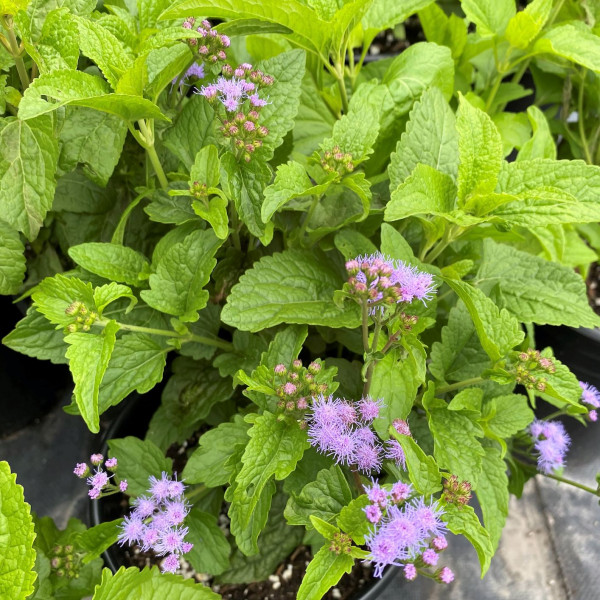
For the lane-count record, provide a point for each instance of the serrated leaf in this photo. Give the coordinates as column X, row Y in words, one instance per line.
column 352, row 520
column 490, row 16
column 324, row 498
column 575, row 42
column 54, row 295
column 88, row 356
column 97, row 539
column 211, row 550
column 463, row 520
column 536, row 290
column 17, row 555
column 512, row 414
column 323, row 572
column 423, row 471
column 35, row 336
column 138, row 460
column 12, row 261
column 111, row 261
column 81, row 89
column 109, row 293
column 273, row 450
column 479, row 149
column 149, row 584
column 498, row 330
column 181, row 274
column 524, row 27
column 28, row 155
column 430, row 138
column 385, row 14
column 137, row 363
column 206, row 167
column 149, row 11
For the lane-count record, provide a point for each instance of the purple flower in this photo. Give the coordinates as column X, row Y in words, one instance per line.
column 401, row 491
column 96, row 459
column 376, row 494
column 280, row 369
column 365, row 435
column 593, row 415
column 144, row 506
column 404, row 528
column 132, row 530
column 159, row 488
column 367, row 457
column 176, row 512
column 368, row 408
column 342, row 447
column 171, row 541
column 325, row 410
column 149, row 538
column 428, row 517
column 410, row 572
column 98, row 480
column 346, row 413
column 94, row 493
column 123, row 485
column 373, row 513
column 430, row 557
column 289, row 388
column 231, row 92
column 384, row 551
column 401, row 426
column 170, row 564
column 551, row 443
column 81, row 470
column 395, row 452
column 445, row 575
column 186, row 547
column 589, row 395
column 176, row 488
column 111, row 463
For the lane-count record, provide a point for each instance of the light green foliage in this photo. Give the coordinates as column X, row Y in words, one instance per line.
column 149, row 584
column 12, row 261
column 291, row 287
column 535, row 290
column 55, row 294
column 423, row 471
column 430, row 138
column 541, row 144
column 498, row 330
column 211, row 550
column 88, row 355
column 508, row 415
column 573, row 41
column 525, row 26
column 181, row 274
column 112, row 261
column 479, row 151
column 323, row 572
column 28, row 155
column 138, row 459
column 384, row 14
column 17, row 555
column 490, row 16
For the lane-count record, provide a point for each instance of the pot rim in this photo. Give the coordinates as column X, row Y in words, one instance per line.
column 370, row 592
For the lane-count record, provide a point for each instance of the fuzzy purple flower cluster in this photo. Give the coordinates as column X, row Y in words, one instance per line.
column 383, row 282
column 343, row 429
column 99, row 480
column 196, row 71
column 551, row 443
column 406, row 532
column 156, row 522
column 590, row 397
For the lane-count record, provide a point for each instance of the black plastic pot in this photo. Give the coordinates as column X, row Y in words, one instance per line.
column 30, row 387
column 134, row 420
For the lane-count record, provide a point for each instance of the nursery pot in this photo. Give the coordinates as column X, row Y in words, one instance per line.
column 134, row 420
column 30, row 387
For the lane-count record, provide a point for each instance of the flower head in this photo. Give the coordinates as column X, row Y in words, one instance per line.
column 369, row 409
column 410, row 572
column 81, row 470
column 132, row 530
column 445, row 575
column 170, row 564
column 551, row 442
column 395, row 452
column 589, row 395
column 159, row 488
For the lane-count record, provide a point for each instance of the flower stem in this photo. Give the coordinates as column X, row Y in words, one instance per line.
column 365, row 325
column 148, row 136
column 576, row 484
column 16, row 52
column 460, row 384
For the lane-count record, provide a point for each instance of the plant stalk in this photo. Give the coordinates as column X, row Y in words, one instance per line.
column 581, row 121
column 148, row 144
column 459, row 384
column 16, row 52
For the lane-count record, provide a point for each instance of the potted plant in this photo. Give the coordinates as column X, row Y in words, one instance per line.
column 328, row 254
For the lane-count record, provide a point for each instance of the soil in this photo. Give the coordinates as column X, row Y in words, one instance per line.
column 593, row 287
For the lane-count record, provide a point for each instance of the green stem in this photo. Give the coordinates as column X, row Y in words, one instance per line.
column 117, row 237
column 365, row 325
column 493, row 92
column 585, row 488
column 151, row 151
column 581, row 121
column 16, row 52
column 447, row 239
column 459, row 384
column 309, row 215
column 558, row 413
column 371, row 367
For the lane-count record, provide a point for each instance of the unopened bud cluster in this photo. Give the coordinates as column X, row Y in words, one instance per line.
column 336, row 161
column 211, row 46
column 529, row 368
column 83, row 318
column 64, row 561
column 456, row 491
column 297, row 385
column 199, row 190
column 245, row 133
column 340, row 543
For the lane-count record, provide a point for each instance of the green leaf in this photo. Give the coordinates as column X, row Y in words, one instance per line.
column 35, row 336
column 459, row 355
column 352, row 520
column 490, row 16
column 206, row 167
column 28, row 155
column 561, row 385
column 575, row 42
column 138, row 460
column 245, row 184
column 169, row 209
column 524, row 27
column 97, row 539
column 456, row 446
column 88, row 356
column 463, row 520
column 17, row 555
column 54, row 295
column 274, row 448
column 535, row 290
column 181, row 274
column 111, row 261
column 498, row 330
column 137, row 363
column 288, row 287
column 492, row 493
column 211, row 550
column 430, row 138
column 351, row 243
column 208, row 463
column 164, row 65
column 149, row 584
column 423, row 471
column 327, row 530
column 479, row 149
column 385, row 14
column 81, row 89
column 425, row 192
column 511, row 414
column 12, row 261
column 291, row 181
column 469, row 399
column 324, row 498
column 108, row 293
column 194, row 128
column 323, row 572
column 149, row 11
column 83, row 132
column 278, row 115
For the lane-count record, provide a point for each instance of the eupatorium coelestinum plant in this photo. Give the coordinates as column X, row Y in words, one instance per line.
column 331, row 263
